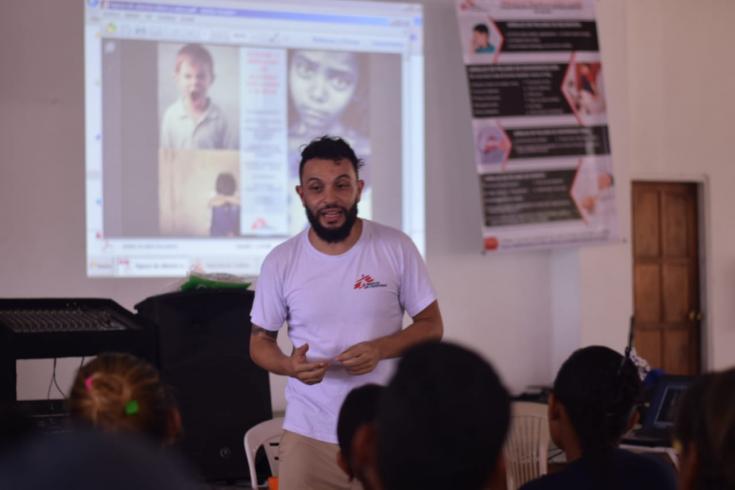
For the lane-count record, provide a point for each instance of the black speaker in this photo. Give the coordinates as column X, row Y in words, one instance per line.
column 202, row 352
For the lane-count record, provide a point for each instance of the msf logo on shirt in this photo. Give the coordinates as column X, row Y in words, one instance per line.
column 366, row 281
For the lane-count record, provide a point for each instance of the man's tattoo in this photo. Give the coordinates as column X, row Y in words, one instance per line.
column 256, row 330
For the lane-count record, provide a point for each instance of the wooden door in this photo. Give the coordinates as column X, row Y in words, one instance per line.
column 666, row 294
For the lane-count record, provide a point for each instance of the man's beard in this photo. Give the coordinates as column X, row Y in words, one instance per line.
column 333, row 235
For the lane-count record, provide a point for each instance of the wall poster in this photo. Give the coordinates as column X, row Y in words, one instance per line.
column 539, row 117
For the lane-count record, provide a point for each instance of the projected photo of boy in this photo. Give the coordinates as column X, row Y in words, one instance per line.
column 194, row 120
column 198, row 103
column 328, row 95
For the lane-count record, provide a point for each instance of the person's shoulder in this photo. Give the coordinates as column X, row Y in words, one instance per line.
column 649, row 467
column 553, row 481
column 286, row 249
column 214, row 109
column 376, row 228
column 381, row 232
column 175, row 108
column 278, row 260
column 637, row 459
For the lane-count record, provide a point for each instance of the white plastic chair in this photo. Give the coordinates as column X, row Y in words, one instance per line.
column 268, row 435
column 527, row 448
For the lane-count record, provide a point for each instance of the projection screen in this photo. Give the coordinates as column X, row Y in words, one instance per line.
column 195, row 113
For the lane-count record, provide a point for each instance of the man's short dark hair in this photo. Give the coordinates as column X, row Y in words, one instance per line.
column 360, row 407
column 329, row 148
column 442, row 420
column 482, row 29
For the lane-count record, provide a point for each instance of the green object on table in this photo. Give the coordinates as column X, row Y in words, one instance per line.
column 214, row 281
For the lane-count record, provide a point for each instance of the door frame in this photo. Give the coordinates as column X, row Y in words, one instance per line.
column 703, row 186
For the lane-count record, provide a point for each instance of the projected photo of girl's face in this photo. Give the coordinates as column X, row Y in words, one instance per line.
column 322, row 84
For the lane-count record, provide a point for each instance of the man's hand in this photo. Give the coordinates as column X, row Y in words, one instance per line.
column 360, row 358
column 307, row 372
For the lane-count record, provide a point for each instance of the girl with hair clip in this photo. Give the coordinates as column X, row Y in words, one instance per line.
column 704, row 433
column 121, row 393
column 592, row 405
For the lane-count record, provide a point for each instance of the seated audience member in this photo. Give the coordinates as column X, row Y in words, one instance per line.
column 91, row 460
column 354, row 429
column 705, row 433
column 591, row 406
column 15, row 427
column 442, row 422
column 121, row 393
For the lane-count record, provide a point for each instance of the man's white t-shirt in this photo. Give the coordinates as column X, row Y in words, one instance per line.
column 333, row 302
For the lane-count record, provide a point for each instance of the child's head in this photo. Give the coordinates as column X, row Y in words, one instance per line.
column 594, row 396
column 194, row 71
column 322, row 85
column 442, row 421
column 358, row 410
column 226, row 184
column 121, row 393
column 480, row 36
column 705, row 429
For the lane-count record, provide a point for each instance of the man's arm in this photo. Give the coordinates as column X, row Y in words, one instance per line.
column 264, row 352
column 363, row 357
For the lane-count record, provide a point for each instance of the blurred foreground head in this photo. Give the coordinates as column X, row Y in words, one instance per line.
column 121, row 393
column 89, row 460
column 705, row 430
column 442, row 421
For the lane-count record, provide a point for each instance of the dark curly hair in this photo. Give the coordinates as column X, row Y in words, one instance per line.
column 329, row 148
column 706, row 424
column 442, row 420
column 599, row 390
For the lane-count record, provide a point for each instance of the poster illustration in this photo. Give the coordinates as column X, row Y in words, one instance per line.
column 539, row 117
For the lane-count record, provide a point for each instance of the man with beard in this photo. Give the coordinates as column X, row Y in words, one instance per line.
column 343, row 286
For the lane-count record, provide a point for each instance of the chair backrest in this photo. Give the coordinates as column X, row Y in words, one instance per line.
column 527, row 448
column 268, row 435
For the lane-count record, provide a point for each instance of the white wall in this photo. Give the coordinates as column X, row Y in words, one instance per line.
column 668, row 70
column 682, row 107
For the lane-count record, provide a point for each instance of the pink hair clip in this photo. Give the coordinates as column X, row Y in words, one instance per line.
column 88, row 383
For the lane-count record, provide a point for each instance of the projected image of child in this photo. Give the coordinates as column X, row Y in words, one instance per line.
column 194, row 120
column 225, row 207
column 328, row 95
column 198, row 140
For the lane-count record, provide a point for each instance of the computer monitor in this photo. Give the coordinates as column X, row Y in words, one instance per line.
column 665, row 402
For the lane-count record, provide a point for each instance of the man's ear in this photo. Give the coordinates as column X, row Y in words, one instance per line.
column 300, row 192
column 497, row 480
column 360, row 186
column 342, row 463
column 688, row 467
column 174, row 425
column 633, row 419
column 365, row 456
column 364, row 446
column 554, row 408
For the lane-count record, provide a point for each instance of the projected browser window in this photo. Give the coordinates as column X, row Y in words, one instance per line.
column 196, row 113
